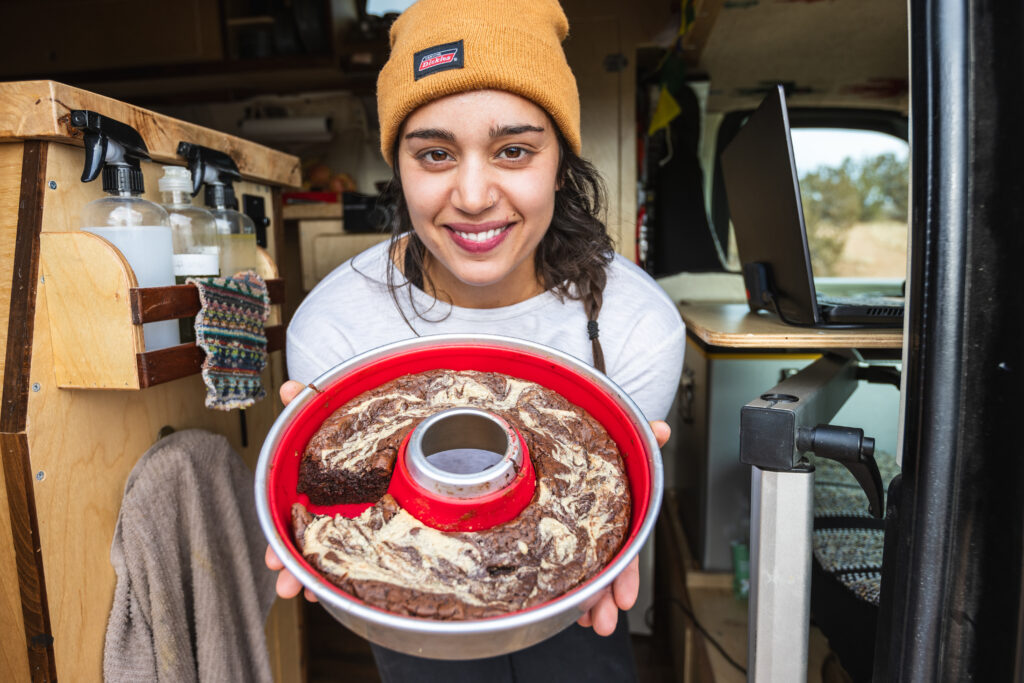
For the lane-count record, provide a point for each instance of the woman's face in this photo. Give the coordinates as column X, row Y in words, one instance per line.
column 479, row 173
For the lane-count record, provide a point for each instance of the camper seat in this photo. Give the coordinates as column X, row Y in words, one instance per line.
column 847, row 563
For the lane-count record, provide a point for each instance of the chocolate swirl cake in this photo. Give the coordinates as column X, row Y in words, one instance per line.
column 570, row 531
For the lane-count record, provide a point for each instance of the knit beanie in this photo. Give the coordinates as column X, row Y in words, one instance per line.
column 443, row 47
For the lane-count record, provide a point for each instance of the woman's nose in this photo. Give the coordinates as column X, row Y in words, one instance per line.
column 475, row 190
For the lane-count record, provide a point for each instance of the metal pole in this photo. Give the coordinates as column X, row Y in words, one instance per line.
column 782, row 509
column 781, row 521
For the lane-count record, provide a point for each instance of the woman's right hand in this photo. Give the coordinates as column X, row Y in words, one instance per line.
column 287, row 585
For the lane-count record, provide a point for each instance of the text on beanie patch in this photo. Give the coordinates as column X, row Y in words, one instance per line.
column 438, row 58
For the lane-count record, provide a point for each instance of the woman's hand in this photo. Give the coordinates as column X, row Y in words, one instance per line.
column 622, row 595
column 287, row 585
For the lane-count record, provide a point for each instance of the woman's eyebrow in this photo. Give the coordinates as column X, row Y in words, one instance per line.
column 431, row 134
column 518, row 129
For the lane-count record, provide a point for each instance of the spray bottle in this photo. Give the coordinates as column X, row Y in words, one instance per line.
column 138, row 228
column 194, row 232
column 237, row 231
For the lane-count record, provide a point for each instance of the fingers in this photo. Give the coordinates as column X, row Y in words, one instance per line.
column 626, row 586
column 290, row 390
column 273, row 563
column 604, row 615
column 660, row 428
column 287, row 585
column 587, row 620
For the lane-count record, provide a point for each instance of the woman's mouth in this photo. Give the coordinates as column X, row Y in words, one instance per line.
column 478, row 238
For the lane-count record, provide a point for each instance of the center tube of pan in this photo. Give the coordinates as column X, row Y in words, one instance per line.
column 464, row 453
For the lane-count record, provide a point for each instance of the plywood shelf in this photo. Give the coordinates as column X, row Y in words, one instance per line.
column 41, row 110
column 97, row 313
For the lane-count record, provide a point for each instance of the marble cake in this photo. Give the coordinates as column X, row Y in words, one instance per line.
column 573, row 527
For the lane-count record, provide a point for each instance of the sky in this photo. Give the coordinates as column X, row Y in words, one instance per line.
column 814, row 147
column 381, row 7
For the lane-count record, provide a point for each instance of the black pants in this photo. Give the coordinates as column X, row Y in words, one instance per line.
column 575, row 654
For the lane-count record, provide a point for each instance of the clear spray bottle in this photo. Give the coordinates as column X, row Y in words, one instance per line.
column 194, row 234
column 236, row 231
column 138, row 228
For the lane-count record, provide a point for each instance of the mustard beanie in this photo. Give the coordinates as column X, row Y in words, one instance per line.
column 443, row 47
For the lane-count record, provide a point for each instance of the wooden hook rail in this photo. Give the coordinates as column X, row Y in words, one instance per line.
column 152, row 304
column 164, row 365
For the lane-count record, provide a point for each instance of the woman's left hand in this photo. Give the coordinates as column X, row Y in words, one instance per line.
column 605, row 614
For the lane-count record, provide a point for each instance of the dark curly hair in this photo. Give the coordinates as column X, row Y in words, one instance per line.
column 570, row 260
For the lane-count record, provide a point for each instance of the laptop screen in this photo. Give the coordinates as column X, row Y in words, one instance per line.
column 764, row 203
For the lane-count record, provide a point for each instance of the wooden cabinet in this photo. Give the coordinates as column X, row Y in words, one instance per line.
column 58, row 36
column 323, row 242
column 74, row 321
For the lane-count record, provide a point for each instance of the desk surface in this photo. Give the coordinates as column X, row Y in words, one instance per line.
column 734, row 326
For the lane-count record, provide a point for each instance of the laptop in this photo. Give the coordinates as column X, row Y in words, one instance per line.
column 764, row 202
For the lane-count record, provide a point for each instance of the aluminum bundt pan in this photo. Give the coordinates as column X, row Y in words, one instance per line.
column 277, row 474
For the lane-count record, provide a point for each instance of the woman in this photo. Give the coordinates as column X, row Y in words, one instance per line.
column 495, row 231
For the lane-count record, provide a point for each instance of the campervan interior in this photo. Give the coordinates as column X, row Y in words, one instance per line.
column 665, row 86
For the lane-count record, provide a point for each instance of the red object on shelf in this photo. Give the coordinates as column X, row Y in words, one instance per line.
column 310, row 197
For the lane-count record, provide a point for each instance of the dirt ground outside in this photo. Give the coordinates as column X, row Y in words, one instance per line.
column 872, row 250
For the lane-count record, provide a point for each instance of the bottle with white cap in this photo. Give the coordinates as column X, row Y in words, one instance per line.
column 236, row 231
column 194, row 234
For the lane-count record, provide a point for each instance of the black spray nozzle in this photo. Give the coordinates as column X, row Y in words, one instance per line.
column 216, row 169
column 108, row 141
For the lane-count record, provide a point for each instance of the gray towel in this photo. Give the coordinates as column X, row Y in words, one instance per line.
column 192, row 591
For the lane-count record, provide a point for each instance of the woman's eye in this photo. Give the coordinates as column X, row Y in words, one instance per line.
column 437, row 155
column 514, row 153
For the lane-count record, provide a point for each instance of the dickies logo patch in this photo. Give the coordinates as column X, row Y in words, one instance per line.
column 438, row 58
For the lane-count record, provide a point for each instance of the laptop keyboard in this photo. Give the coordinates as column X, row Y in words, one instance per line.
column 861, row 300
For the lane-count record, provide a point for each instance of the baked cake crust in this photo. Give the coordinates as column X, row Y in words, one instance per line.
column 569, row 532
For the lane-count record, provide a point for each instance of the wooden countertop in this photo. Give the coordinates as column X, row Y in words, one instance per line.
column 41, row 110
column 312, row 211
column 734, row 326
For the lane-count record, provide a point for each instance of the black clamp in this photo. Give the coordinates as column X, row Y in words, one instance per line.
column 855, row 451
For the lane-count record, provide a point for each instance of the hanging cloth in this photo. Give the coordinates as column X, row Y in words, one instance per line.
column 192, row 593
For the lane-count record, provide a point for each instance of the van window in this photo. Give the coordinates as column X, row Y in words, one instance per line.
column 382, row 7
column 854, row 187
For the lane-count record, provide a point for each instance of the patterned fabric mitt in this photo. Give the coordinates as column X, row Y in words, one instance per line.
column 230, row 329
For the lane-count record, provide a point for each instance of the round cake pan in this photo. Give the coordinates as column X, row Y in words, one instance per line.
column 277, row 475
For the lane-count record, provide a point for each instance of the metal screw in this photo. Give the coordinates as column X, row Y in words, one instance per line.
column 53, row 184
column 36, row 386
column 40, row 475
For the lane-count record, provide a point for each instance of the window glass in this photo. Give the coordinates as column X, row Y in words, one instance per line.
column 854, row 185
column 382, row 7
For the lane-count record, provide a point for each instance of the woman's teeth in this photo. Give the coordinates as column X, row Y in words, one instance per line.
column 481, row 236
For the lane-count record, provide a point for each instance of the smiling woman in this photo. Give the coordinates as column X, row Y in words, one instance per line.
column 480, row 200
column 496, row 229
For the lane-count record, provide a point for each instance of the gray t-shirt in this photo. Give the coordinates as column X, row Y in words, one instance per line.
column 351, row 311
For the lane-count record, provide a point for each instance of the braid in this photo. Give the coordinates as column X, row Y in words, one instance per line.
column 592, row 301
column 576, row 250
